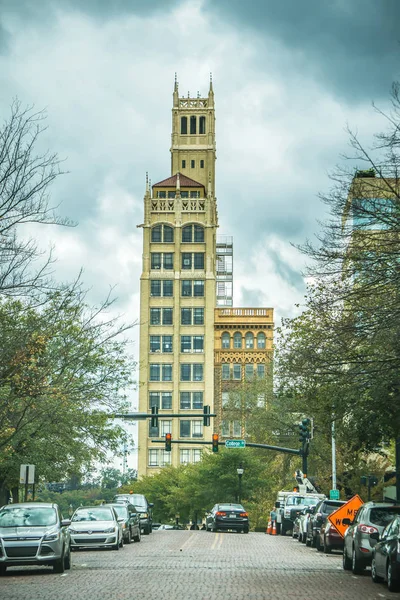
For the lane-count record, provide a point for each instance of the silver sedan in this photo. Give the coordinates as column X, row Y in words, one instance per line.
column 94, row 527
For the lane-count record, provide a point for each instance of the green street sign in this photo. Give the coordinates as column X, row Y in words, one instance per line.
column 235, row 443
column 334, row 495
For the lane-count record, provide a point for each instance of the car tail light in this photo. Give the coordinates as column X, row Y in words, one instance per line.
column 366, row 528
column 244, row 515
column 220, row 514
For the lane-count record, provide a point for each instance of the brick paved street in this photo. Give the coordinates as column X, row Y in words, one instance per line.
column 196, row 565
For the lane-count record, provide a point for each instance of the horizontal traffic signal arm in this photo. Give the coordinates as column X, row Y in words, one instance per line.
column 222, row 443
column 143, row 416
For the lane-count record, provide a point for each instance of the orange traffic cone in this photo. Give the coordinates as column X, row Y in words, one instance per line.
column 274, row 528
column 269, row 528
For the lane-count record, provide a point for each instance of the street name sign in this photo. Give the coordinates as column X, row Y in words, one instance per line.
column 334, row 495
column 345, row 511
column 235, row 443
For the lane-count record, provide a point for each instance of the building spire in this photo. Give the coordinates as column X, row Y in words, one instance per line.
column 178, row 184
column 211, row 85
column 147, row 181
column 176, row 91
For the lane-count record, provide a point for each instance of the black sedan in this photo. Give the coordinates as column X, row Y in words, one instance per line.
column 227, row 517
column 385, row 564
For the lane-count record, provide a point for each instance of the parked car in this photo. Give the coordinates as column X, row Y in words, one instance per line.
column 321, row 511
column 303, row 520
column 143, row 507
column 385, row 565
column 228, row 517
column 34, row 533
column 96, row 526
column 164, row 527
column 329, row 538
column 129, row 519
column 359, row 539
column 155, row 526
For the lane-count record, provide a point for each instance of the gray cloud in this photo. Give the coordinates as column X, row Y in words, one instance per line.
column 351, row 46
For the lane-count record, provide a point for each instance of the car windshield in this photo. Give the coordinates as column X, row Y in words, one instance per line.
column 93, row 514
column 383, row 516
column 230, row 507
column 27, row 516
column 135, row 499
column 121, row 510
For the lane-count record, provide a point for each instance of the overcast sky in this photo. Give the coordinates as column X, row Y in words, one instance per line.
column 288, row 76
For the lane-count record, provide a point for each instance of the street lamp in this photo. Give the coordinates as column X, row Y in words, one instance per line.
column 240, row 472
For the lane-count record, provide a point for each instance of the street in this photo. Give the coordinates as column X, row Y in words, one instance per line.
column 196, row 565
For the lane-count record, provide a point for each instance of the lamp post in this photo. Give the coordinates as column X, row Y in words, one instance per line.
column 240, row 472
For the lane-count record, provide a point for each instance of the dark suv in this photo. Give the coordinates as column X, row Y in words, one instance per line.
column 143, row 507
column 318, row 516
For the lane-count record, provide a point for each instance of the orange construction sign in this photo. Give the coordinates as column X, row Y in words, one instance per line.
column 345, row 511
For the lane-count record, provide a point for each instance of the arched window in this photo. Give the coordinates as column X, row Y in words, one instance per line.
column 184, row 125
column 226, row 340
column 156, row 234
column 237, row 340
column 261, row 340
column 193, row 233
column 249, row 340
column 168, row 234
column 192, row 124
column 202, row 125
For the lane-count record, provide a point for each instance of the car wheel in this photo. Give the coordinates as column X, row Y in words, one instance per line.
column 67, row 560
column 245, row 530
column 356, row 564
column 58, row 565
column 128, row 538
column 308, row 542
column 393, row 584
column 327, row 549
column 317, row 543
column 137, row 537
column 346, row 560
column 115, row 546
column 146, row 530
column 283, row 530
column 375, row 577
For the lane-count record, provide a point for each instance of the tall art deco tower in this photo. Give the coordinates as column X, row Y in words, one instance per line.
column 178, row 289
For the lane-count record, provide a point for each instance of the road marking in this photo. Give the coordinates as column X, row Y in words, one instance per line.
column 217, row 536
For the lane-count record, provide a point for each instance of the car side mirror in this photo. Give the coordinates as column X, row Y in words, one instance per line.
column 374, row 536
column 65, row 522
column 347, row 521
column 121, row 520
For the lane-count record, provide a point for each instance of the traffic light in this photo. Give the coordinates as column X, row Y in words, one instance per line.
column 154, row 416
column 304, row 431
column 168, row 441
column 215, row 442
column 206, row 418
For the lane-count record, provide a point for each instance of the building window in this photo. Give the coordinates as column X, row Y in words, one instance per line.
column 160, row 343
column 197, row 429
column 193, row 233
column 198, row 260
column 261, row 340
column 249, row 338
column 192, row 288
column 191, row 343
column 191, row 372
column 165, row 427
column 202, row 164
column 193, row 260
column 237, row 371
column 184, row 456
column 192, row 164
column 226, row 372
column 171, row 194
column 249, row 372
column 184, row 164
column 160, row 372
column 168, row 260
column 226, row 340
column 184, row 428
column 184, row 194
column 195, row 194
column 237, row 429
column 161, row 316
column 153, row 458
column 162, row 233
column 202, row 125
column 261, row 371
column 186, row 260
column 167, row 316
column 155, row 343
column 168, row 288
column 191, row 316
column 237, row 340
column 164, row 259
column 197, row 400
column 165, row 458
column 225, row 428
column 165, row 398
column 183, row 125
column 167, row 343
column 191, row 400
column 153, row 431
column 225, row 399
column 261, row 401
column 155, row 287
column 162, row 194
column 193, row 125
column 196, row 456
column 156, row 260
